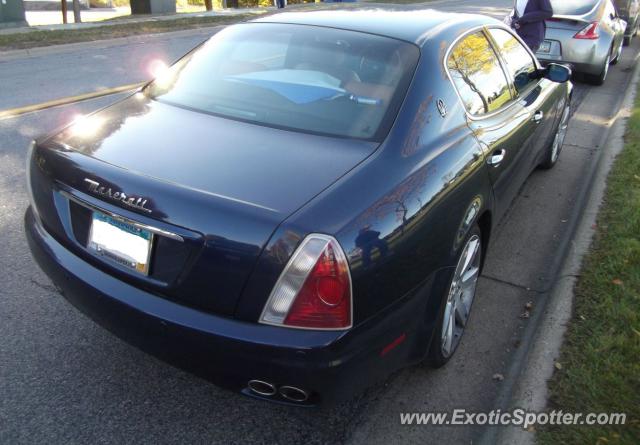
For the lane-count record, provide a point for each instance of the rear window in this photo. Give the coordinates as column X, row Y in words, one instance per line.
column 297, row 77
column 572, row 7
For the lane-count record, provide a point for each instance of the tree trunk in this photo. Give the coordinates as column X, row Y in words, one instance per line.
column 64, row 11
column 208, row 4
column 76, row 11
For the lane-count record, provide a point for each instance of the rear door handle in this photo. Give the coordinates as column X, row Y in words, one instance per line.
column 538, row 117
column 496, row 158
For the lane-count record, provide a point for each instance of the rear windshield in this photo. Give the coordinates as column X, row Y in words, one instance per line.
column 305, row 78
column 572, row 7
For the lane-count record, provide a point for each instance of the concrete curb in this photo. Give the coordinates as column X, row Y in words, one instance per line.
column 528, row 390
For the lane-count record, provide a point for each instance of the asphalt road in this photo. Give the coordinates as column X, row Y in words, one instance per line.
column 63, row 379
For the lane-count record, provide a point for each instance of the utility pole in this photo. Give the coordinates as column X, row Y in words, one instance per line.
column 76, row 11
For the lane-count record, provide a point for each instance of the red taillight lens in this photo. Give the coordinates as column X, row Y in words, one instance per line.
column 590, row 32
column 325, row 298
column 314, row 291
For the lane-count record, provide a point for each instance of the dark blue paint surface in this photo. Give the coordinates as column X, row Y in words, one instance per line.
column 242, row 197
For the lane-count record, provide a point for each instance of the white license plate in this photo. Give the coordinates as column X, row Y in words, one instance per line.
column 545, row 47
column 121, row 241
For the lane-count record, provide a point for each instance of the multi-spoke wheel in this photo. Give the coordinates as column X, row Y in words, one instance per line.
column 553, row 152
column 457, row 306
column 618, row 55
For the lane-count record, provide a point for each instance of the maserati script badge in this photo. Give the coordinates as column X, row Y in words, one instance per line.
column 108, row 192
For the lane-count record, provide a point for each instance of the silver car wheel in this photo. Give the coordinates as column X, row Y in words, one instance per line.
column 461, row 295
column 558, row 142
column 618, row 54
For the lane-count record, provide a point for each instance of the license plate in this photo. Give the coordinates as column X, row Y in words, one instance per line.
column 121, row 241
column 545, row 47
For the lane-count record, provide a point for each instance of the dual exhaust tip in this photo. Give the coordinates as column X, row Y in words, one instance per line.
column 290, row 393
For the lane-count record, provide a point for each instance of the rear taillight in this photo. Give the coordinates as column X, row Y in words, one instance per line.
column 314, row 290
column 590, row 32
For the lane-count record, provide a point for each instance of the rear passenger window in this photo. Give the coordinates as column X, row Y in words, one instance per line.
column 519, row 62
column 478, row 76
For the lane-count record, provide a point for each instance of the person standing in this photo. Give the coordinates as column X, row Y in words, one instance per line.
column 528, row 20
column 280, row 4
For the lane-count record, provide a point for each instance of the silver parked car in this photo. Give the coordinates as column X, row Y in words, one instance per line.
column 629, row 10
column 586, row 34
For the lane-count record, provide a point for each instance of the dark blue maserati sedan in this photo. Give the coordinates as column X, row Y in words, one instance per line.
column 302, row 204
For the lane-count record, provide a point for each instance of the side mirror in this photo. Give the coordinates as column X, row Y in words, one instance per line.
column 558, row 73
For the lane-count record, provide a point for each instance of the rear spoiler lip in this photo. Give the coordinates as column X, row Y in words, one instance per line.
column 573, row 18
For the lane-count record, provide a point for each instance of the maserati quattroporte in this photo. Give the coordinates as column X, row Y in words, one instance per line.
column 302, row 204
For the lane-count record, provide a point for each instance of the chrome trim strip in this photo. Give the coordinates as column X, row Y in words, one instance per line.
column 149, row 228
column 484, row 29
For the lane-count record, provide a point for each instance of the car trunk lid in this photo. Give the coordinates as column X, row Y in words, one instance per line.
column 221, row 186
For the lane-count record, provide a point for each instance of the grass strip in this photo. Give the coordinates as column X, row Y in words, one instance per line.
column 599, row 365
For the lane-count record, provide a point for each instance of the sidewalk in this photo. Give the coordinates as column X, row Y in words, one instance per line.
column 596, row 128
column 46, row 17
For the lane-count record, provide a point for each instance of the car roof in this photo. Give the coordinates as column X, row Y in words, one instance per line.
column 411, row 24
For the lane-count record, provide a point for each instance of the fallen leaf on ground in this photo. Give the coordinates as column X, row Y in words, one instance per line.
column 558, row 365
column 529, row 305
column 498, row 377
column 617, row 282
column 525, row 315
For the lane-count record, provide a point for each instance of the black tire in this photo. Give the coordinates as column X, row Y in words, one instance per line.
column 599, row 79
column 436, row 357
column 618, row 56
column 552, row 153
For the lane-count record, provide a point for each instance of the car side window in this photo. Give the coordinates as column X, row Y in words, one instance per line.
column 520, row 64
column 478, row 76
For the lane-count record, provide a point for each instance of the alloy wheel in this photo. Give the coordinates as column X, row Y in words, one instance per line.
column 607, row 63
column 461, row 295
column 558, row 142
column 618, row 54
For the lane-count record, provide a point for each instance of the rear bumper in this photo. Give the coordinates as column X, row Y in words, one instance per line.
column 331, row 366
column 584, row 56
column 575, row 67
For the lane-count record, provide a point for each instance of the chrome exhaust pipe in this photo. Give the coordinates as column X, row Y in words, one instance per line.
column 262, row 388
column 294, row 394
